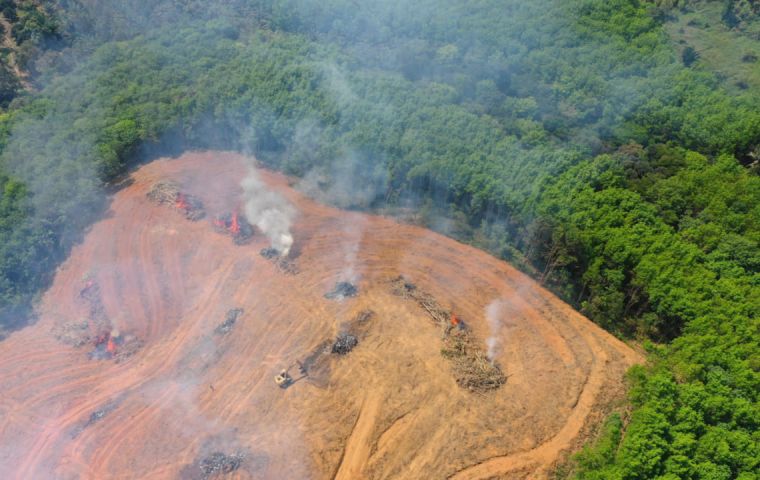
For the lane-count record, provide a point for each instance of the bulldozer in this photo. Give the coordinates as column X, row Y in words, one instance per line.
column 283, row 379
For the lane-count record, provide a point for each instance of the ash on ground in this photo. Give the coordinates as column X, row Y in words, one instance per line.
column 342, row 290
column 344, row 344
column 229, row 321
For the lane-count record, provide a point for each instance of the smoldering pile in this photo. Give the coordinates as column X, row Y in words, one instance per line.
column 342, row 290
column 212, row 465
column 229, row 321
column 348, row 338
column 344, row 343
column 470, row 364
column 316, row 365
column 270, row 253
column 219, row 462
column 281, row 261
column 169, row 193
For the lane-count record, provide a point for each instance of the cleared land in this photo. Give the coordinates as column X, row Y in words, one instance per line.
column 196, row 397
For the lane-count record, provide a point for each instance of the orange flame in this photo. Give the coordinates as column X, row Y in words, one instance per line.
column 111, row 346
column 101, row 339
column 235, row 225
column 182, row 202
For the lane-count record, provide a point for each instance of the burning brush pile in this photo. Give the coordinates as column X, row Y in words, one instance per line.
column 97, row 330
column 234, row 225
column 114, row 345
column 469, row 361
column 168, row 193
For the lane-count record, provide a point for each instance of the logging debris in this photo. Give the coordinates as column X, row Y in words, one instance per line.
column 470, row 365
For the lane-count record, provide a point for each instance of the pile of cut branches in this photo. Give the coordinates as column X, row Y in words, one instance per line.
column 168, row 193
column 470, row 365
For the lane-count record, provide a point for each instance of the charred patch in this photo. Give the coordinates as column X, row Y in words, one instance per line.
column 284, row 265
column 213, row 465
column 95, row 417
column 229, row 321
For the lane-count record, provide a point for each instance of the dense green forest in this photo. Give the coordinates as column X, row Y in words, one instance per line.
column 576, row 139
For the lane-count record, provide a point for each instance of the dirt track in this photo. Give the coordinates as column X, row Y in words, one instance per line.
column 389, row 409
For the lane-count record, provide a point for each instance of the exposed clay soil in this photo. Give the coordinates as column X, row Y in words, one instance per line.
column 388, row 409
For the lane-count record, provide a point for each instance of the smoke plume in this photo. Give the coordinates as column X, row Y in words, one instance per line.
column 269, row 211
column 494, row 316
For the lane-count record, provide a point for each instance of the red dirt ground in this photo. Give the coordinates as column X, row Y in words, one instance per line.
column 389, row 409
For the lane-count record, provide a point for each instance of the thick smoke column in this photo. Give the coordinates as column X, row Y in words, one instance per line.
column 269, row 211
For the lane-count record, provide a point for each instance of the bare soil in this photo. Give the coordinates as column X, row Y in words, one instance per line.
column 389, row 409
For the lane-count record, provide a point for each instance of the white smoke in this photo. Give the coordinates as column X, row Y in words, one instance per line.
column 354, row 230
column 494, row 312
column 269, row 211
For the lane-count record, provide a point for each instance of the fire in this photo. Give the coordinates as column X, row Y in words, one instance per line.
column 101, row 339
column 181, row 202
column 108, row 340
column 235, row 225
column 111, row 346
